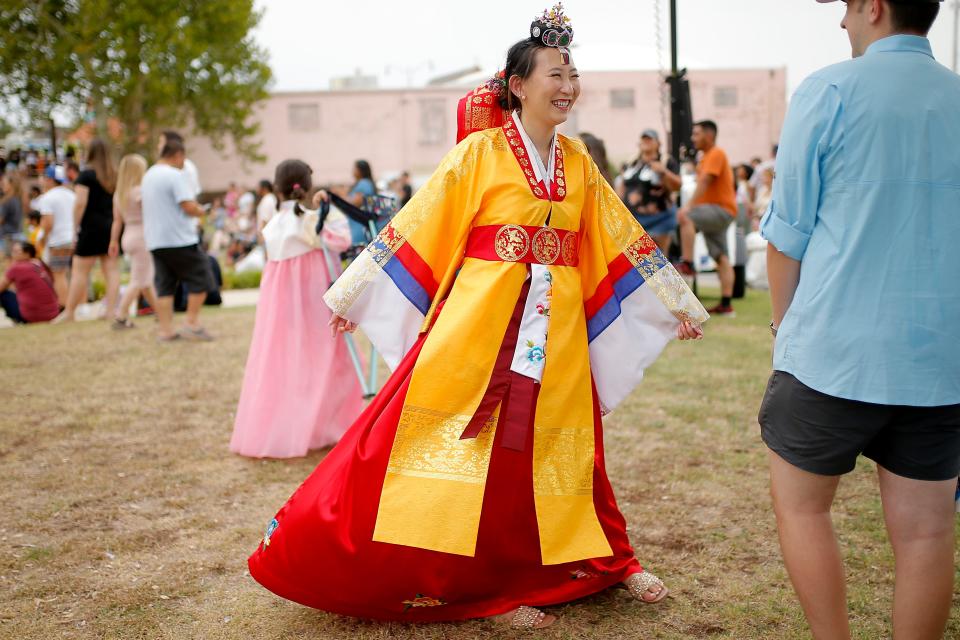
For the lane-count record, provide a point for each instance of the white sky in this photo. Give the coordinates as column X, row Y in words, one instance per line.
column 406, row 43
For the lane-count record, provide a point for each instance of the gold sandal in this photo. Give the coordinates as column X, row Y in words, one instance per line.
column 527, row 618
column 639, row 584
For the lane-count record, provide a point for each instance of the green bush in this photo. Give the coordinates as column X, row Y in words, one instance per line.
column 246, row 280
column 99, row 288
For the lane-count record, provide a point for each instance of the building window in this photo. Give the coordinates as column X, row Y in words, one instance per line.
column 621, row 98
column 304, row 117
column 724, row 96
column 433, row 121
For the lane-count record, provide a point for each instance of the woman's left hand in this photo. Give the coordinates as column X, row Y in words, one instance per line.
column 689, row 331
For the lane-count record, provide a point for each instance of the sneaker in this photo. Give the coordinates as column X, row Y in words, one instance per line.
column 722, row 310
column 197, row 335
column 684, row 269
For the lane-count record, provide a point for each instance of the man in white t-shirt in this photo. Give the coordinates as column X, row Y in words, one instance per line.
column 56, row 220
column 170, row 211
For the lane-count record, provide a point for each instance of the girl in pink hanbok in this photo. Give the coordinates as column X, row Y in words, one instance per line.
column 299, row 392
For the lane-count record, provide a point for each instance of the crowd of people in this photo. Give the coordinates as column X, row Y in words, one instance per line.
column 652, row 185
column 72, row 217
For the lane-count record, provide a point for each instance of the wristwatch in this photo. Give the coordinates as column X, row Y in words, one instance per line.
column 773, row 329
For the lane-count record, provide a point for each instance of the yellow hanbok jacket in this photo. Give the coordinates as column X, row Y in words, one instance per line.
column 610, row 316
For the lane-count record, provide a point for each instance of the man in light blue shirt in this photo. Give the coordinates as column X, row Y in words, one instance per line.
column 865, row 283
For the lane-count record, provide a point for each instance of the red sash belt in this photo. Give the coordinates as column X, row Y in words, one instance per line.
column 517, row 243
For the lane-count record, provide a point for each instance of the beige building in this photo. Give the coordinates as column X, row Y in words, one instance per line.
column 411, row 129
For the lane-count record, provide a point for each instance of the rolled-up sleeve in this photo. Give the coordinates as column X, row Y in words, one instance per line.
column 811, row 125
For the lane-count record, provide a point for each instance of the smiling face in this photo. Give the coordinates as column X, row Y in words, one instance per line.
column 551, row 89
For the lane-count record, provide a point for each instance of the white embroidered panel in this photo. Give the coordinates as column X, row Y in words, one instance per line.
column 531, row 350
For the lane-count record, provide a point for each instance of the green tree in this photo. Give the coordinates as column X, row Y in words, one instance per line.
column 146, row 65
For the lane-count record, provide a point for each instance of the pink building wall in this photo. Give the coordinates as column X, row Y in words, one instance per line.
column 413, row 128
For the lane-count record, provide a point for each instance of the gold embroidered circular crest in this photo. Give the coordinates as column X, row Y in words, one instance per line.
column 546, row 245
column 511, row 242
column 568, row 249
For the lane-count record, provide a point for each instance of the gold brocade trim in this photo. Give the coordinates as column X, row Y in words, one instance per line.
column 546, row 245
column 428, row 201
column 428, row 445
column 511, row 242
column 563, row 461
column 642, row 252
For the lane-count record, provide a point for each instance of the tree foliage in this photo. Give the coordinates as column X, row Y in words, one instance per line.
column 146, row 65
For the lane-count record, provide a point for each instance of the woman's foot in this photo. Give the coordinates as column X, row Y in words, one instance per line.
column 526, row 618
column 63, row 317
column 122, row 323
column 646, row 587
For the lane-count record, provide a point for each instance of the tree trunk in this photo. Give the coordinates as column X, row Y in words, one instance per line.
column 53, row 139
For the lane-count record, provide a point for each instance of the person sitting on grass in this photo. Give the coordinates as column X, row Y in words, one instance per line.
column 35, row 299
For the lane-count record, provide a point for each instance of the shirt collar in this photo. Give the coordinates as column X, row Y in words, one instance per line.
column 901, row 42
column 542, row 171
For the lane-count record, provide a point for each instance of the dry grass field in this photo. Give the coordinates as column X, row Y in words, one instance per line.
column 124, row 515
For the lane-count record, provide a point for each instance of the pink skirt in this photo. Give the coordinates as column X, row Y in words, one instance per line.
column 300, row 391
column 141, row 262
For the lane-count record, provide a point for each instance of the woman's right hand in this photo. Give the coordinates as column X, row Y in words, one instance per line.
column 114, row 249
column 320, row 196
column 341, row 325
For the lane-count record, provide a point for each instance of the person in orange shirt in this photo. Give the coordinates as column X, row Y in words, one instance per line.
column 710, row 211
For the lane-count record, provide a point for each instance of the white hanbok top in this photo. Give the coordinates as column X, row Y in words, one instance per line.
column 288, row 235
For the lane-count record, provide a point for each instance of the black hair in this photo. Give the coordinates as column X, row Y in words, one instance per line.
column 366, row 172
column 266, row 184
column 169, row 134
column 171, row 147
column 34, row 215
column 521, row 60
column 28, row 248
column 748, row 169
column 597, row 151
column 913, row 17
column 293, row 180
column 709, row 125
column 35, row 188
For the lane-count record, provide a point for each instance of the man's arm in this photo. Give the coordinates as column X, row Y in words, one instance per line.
column 783, row 273
column 703, row 183
column 46, row 226
column 192, row 209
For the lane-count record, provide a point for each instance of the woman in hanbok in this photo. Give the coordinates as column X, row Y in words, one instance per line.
column 299, row 392
column 517, row 301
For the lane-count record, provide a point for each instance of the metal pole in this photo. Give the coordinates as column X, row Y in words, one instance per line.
column 955, row 5
column 673, row 37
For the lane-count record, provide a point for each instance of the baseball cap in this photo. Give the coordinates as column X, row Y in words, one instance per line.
column 650, row 133
column 56, row 172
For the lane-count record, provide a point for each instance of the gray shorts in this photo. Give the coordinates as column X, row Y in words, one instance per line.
column 824, row 435
column 712, row 221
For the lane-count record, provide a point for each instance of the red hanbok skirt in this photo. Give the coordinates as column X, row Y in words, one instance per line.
column 321, row 553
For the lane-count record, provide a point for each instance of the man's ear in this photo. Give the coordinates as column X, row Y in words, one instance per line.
column 877, row 11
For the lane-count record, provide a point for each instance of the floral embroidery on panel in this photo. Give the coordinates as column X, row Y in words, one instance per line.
column 422, row 601
column 270, row 529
